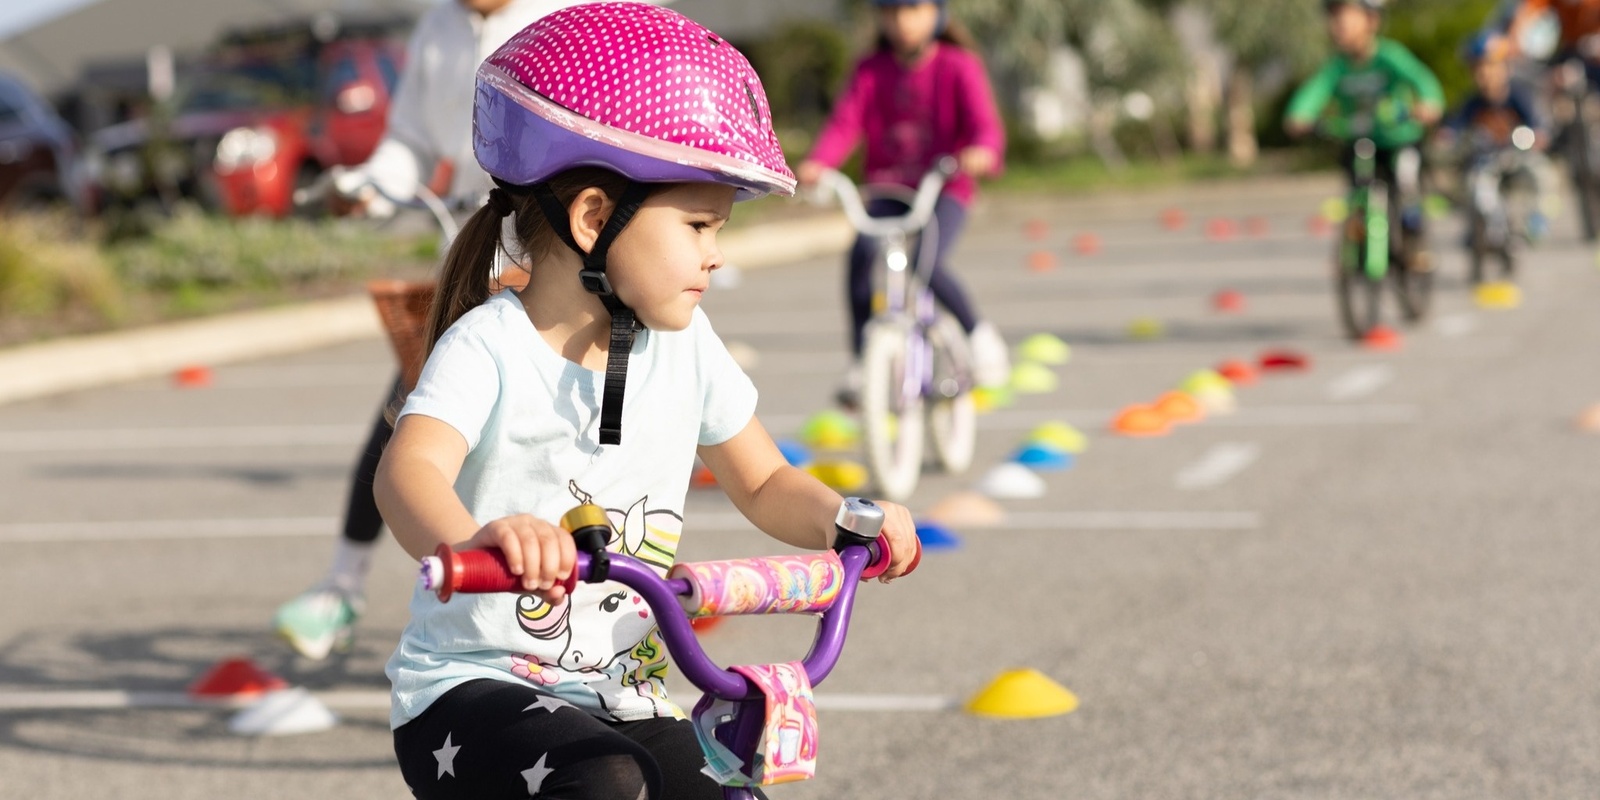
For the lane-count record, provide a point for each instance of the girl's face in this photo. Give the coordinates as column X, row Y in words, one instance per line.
column 909, row 28
column 661, row 264
column 1493, row 78
column 1352, row 28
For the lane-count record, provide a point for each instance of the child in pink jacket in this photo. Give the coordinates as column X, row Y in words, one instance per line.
column 921, row 95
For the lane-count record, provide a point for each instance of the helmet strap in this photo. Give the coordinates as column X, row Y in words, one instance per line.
column 624, row 325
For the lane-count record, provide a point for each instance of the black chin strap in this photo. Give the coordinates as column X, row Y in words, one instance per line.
column 623, row 323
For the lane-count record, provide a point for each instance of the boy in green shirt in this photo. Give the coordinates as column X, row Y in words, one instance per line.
column 1376, row 90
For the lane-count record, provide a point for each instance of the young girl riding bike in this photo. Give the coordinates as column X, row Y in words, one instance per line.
column 921, row 95
column 619, row 136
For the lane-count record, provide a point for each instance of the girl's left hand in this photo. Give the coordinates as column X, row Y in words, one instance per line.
column 901, row 532
column 978, row 162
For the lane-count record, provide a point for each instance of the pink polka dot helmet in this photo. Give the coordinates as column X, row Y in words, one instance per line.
column 632, row 87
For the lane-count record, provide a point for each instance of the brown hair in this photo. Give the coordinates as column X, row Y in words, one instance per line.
column 954, row 33
column 467, row 278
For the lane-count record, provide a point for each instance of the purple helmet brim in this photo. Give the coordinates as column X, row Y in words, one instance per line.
column 523, row 138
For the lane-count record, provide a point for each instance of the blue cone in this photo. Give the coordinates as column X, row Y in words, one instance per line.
column 936, row 537
column 1043, row 459
column 794, row 452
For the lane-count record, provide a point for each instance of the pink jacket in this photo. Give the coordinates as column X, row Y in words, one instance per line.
column 911, row 117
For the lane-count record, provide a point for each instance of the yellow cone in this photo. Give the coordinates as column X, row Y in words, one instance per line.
column 988, row 398
column 1022, row 694
column 830, row 430
column 1044, row 348
column 1498, row 295
column 1032, row 378
column 1146, row 329
column 1061, row 436
column 840, row 476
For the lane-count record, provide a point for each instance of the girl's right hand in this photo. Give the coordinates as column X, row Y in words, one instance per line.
column 542, row 553
column 808, row 173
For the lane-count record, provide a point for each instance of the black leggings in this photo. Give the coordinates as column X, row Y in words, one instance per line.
column 362, row 522
column 490, row 739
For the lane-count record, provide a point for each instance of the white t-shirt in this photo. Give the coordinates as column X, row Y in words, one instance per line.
column 531, row 419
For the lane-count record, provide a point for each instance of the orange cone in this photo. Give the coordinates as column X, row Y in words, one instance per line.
column 1036, row 230
column 1319, row 226
column 194, row 376
column 1041, row 261
column 1173, row 219
column 1237, row 372
column 702, row 478
column 1221, row 230
column 1589, row 420
column 1141, row 421
column 1227, row 301
column 234, row 677
column 1086, row 244
column 1179, row 407
column 1381, row 337
column 704, row 624
column 1256, row 226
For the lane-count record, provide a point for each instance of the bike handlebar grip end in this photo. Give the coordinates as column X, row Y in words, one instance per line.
column 881, row 565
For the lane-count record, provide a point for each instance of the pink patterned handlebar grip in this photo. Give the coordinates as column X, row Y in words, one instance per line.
column 795, row 584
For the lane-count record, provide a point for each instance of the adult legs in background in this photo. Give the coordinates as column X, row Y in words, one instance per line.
column 323, row 617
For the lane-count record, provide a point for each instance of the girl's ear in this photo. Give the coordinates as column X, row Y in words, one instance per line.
column 587, row 213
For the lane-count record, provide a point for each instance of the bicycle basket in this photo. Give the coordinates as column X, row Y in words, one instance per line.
column 403, row 308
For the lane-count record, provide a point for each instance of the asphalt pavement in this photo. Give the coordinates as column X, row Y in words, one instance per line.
column 1374, row 580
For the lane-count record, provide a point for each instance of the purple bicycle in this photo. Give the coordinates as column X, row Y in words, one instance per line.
column 757, row 724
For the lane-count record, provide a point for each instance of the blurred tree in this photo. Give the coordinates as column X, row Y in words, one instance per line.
column 801, row 65
column 1259, row 34
column 1435, row 30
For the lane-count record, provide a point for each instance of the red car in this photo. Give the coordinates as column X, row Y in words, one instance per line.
column 251, row 125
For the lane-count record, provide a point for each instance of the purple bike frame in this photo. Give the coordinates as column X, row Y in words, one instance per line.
column 662, row 594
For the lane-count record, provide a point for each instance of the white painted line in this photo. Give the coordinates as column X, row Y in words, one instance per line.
column 180, row 438
column 704, row 521
column 106, row 700
column 1218, row 465
column 1457, row 325
column 1045, row 521
column 1360, row 382
column 165, row 529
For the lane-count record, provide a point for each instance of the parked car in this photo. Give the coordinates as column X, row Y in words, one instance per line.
column 252, row 123
column 39, row 155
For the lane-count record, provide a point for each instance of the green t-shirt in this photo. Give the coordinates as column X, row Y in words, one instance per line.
column 1373, row 99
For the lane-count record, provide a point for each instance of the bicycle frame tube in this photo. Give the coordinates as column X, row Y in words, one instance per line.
column 662, row 594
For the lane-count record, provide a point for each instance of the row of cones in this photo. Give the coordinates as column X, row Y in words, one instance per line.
column 1202, row 393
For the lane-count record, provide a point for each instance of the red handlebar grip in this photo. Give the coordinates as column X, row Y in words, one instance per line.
column 481, row 571
column 915, row 560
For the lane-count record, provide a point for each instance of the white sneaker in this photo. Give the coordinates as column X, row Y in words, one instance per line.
column 991, row 360
column 319, row 621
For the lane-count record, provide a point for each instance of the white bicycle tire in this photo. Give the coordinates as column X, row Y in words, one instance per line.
column 893, row 439
column 952, row 420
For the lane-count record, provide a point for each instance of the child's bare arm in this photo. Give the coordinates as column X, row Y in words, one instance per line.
column 788, row 503
column 416, row 495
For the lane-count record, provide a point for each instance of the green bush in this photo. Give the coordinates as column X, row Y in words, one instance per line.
column 47, row 267
column 195, row 251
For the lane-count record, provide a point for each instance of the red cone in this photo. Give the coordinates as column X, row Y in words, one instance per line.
column 1237, row 372
column 192, row 377
column 1381, row 337
column 1284, row 361
column 1227, row 301
column 1173, row 219
column 234, row 677
column 1086, row 244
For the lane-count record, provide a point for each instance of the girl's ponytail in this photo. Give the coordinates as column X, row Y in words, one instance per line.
column 466, row 279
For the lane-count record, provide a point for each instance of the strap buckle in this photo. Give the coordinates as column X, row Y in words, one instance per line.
column 595, row 282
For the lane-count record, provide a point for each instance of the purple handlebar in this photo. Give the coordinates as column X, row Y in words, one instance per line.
column 448, row 572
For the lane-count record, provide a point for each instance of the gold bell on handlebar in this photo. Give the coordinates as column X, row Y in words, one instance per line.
column 587, row 520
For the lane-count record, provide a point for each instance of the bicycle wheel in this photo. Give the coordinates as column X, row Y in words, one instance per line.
column 1582, row 166
column 891, row 411
column 952, row 416
column 1478, row 240
column 1412, row 284
column 1358, row 294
